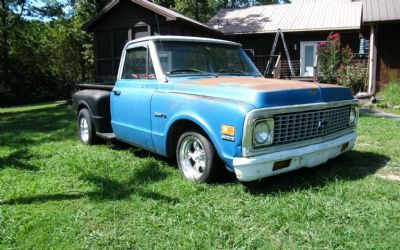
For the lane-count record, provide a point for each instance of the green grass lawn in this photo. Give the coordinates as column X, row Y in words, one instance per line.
column 390, row 98
column 58, row 193
column 395, row 111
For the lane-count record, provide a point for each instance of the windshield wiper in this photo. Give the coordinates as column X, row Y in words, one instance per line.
column 235, row 71
column 232, row 71
column 190, row 70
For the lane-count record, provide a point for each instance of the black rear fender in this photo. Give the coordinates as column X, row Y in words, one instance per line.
column 98, row 104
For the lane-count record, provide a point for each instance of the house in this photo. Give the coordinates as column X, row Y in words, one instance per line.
column 304, row 23
column 123, row 20
column 369, row 27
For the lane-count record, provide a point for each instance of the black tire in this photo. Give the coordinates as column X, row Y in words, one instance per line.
column 204, row 172
column 90, row 137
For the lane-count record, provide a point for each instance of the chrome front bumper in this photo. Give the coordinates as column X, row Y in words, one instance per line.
column 257, row 167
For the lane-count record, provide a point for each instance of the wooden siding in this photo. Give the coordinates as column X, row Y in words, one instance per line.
column 388, row 41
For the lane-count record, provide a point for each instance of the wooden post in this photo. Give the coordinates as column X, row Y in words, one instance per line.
column 130, row 34
column 372, row 61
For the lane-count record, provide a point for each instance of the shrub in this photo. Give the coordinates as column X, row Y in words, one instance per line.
column 352, row 76
column 335, row 64
column 329, row 55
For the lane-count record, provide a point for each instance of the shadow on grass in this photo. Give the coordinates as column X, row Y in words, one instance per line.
column 352, row 165
column 25, row 128
column 109, row 189
column 139, row 152
column 17, row 160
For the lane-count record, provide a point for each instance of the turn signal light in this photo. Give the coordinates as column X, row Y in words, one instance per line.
column 228, row 130
column 281, row 164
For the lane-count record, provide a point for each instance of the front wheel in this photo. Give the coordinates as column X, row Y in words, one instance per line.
column 197, row 158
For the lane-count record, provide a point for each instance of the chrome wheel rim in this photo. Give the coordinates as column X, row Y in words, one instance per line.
column 84, row 129
column 192, row 158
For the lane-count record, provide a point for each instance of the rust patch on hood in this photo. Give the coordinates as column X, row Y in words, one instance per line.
column 265, row 84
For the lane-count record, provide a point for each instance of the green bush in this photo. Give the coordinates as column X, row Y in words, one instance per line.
column 352, row 76
column 330, row 58
column 335, row 64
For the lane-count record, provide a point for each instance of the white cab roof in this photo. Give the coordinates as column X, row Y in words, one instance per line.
column 183, row 38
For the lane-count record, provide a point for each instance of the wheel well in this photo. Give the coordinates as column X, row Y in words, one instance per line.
column 178, row 128
column 80, row 107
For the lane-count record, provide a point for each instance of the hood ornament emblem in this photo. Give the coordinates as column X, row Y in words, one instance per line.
column 323, row 123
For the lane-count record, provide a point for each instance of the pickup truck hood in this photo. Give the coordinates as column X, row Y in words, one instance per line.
column 262, row 92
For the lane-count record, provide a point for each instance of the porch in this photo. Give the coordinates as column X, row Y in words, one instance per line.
column 280, row 69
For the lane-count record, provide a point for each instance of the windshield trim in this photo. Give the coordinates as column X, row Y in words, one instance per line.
column 233, row 44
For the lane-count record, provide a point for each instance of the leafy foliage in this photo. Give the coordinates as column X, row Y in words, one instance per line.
column 330, row 58
column 43, row 59
column 335, row 64
column 352, row 76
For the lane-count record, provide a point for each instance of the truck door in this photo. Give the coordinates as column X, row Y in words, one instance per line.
column 131, row 97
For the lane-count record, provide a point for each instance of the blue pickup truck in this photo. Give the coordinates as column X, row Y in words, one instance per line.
column 203, row 102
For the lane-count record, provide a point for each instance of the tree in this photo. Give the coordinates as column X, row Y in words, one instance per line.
column 11, row 12
column 248, row 3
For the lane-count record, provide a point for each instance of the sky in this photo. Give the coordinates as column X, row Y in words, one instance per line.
column 41, row 3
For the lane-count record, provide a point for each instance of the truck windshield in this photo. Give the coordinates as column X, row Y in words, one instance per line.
column 180, row 58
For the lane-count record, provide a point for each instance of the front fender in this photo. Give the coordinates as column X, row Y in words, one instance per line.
column 207, row 112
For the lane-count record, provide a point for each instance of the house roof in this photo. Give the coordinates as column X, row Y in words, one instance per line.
column 170, row 15
column 301, row 15
column 381, row 10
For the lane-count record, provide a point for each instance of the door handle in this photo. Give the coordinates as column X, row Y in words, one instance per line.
column 116, row 92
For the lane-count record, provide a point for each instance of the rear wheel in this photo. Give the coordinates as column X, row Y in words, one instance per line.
column 197, row 158
column 87, row 133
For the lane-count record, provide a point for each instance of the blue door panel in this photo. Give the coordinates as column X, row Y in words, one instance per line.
column 130, row 111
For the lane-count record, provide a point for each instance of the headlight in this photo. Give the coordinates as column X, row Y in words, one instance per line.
column 263, row 133
column 353, row 117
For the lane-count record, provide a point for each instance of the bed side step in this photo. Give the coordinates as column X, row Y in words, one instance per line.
column 107, row 136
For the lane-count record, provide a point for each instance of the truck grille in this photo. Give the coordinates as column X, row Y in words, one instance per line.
column 295, row 127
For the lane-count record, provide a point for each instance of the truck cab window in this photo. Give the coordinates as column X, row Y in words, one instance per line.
column 138, row 65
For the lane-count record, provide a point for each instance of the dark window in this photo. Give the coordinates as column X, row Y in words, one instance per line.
column 136, row 65
column 197, row 33
column 187, row 31
column 105, row 67
column 103, row 44
column 120, row 38
column 116, row 65
column 176, row 30
column 141, row 31
column 155, row 30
